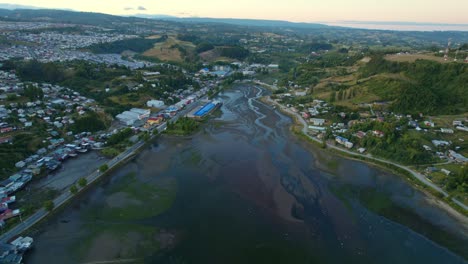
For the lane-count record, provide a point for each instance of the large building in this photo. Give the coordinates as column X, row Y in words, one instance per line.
column 128, row 118
column 155, row 103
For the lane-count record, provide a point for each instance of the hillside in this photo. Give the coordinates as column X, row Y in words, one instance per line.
column 422, row 86
column 428, row 87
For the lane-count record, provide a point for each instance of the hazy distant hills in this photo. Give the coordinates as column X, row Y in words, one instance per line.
column 65, row 16
column 10, row 12
column 122, row 23
column 239, row 22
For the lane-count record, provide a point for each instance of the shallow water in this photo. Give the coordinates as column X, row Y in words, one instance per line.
column 249, row 192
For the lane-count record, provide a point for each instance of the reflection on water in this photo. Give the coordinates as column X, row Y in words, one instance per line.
column 248, row 192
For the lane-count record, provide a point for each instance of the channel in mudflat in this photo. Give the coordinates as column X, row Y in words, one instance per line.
column 244, row 190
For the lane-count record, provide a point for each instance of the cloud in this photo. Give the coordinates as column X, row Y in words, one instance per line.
column 141, row 8
column 128, row 8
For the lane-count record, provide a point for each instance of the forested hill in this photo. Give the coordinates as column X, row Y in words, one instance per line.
column 52, row 15
column 427, row 87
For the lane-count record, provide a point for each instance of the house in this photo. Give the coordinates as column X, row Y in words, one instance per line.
column 301, row 93
column 413, row 124
column 155, row 103
column 462, row 128
column 446, row 172
column 341, row 140
column 378, row 133
column 154, row 120
column 427, row 148
column 360, row 134
column 317, row 128
column 457, row 123
column 446, row 130
column 429, row 123
column 318, row 121
column 431, row 169
column 457, row 157
column 440, row 143
column 151, row 73
column 7, row 139
column 344, row 141
column 6, row 130
column 361, row 150
column 20, row 164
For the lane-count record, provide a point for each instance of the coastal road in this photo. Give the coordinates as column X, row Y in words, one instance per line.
column 417, row 175
column 67, row 195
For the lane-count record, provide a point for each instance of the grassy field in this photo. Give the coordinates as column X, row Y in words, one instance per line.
column 168, row 51
column 132, row 99
column 214, row 55
column 414, row 57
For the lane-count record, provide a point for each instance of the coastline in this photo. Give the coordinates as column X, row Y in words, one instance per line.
column 66, row 196
column 436, row 195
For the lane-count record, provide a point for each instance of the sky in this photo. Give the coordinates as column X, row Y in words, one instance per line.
column 433, row 11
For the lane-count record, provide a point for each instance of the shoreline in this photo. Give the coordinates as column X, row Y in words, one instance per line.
column 452, row 207
column 65, row 197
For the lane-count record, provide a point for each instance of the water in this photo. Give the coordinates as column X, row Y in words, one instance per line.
column 249, row 192
column 402, row 26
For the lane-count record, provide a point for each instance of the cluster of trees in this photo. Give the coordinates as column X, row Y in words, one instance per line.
column 459, row 181
column 315, row 46
column 136, row 45
column 183, row 126
column 91, row 122
column 335, row 59
column 37, row 72
column 119, row 136
column 23, row 145
column 234, row 52
column 33, row 93
column 204, row 46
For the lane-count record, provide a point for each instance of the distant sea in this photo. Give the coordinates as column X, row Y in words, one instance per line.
column 401, row 26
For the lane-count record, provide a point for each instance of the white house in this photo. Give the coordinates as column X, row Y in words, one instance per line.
column 438, row 143
column 317, row 121
column 446, row 130
column 155, row 103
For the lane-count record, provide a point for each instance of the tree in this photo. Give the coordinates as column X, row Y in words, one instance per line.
column 204, row 46
column 82, row 182
column 91, row 122
column 49, row 205
column 340, row 95
column 103, row 168
column 332, row 97
column 73, row 189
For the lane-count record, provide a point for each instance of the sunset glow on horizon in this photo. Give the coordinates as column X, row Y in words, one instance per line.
column 449, row 11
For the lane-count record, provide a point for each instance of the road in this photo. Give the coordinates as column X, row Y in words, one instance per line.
column 417, row 175
column 67, row 195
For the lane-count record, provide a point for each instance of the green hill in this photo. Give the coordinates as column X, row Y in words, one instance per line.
column 426, row 86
